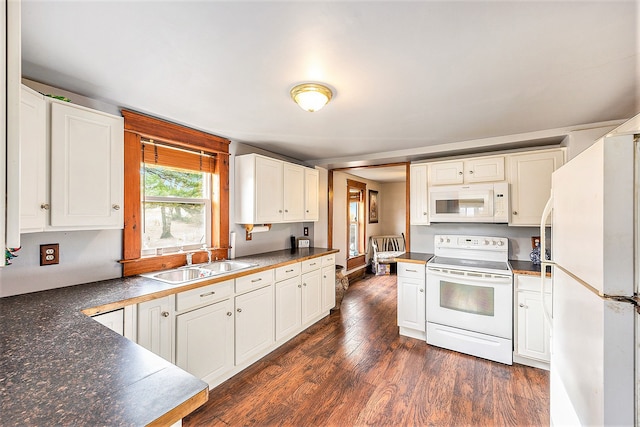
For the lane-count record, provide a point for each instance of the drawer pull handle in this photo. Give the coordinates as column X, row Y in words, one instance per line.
column 290, row 271
column 421, row 290
column 44, row 206
column 522, row 305
column 313, row 263
column 229, row 313
column 299, row 286
column 304, row 284
column 206, row 294
column 412, row 271
column 239, row 310
column 164, row 314
column 256, row 280
column 116, row 207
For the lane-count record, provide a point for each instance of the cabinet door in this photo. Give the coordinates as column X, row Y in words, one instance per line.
column 533, row 338
column 33, row 162
column 530, row 179
column 87, row 163
column 311, row 296
column 113, row 320
column 254, row 323
column 445, row 173
column 418, row 193
column 269, row 190
column 293, row 195
column 288, row 307
column 311, row 192
column 484, row 169
column 411, row 304
column 204, row 340
column 155, row 329
column 328, row 287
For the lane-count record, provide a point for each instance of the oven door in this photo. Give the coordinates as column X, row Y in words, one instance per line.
column 479, row 302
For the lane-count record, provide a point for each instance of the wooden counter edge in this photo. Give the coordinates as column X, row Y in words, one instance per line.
column 529, row 273
column 182, row 410
column 412, row 261
column 90, row 311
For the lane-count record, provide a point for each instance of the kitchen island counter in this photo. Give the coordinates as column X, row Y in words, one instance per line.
column 60, row 367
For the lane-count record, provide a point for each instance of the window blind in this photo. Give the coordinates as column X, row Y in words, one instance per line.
column 165, row 155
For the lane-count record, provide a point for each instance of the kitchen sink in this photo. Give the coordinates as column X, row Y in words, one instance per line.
column 180, row 275
column 194, row 273
column 220, row 267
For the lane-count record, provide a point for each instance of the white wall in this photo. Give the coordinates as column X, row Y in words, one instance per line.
column 422, row 236
column 85, row 256
column 393, row 199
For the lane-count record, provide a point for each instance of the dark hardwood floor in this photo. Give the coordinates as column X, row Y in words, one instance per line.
column 353, row 368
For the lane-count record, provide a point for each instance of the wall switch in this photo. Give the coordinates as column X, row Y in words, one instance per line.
column 306, row 231
column 50, row 254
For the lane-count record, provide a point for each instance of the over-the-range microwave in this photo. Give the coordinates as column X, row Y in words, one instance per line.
column 469, row 203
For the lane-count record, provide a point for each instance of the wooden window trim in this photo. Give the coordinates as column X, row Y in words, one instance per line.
column 362, row 223
column 138, row 126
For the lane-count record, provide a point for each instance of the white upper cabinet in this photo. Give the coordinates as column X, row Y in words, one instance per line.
column 480, row 169
column 419, row 199
column 311, row 194
column 293, row 194
column 72, row 166
column 87, row 167
column 530, row 179
column 34, row 200
column 272, row 191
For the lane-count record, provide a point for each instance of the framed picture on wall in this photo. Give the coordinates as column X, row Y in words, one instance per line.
column 373, row 206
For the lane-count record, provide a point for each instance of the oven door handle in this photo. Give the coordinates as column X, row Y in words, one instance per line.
column 479, row 280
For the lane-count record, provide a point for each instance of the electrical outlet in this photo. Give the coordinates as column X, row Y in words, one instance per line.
column 306, row 231
column 50, row 254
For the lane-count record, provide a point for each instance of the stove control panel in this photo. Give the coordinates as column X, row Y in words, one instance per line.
column 471, row 242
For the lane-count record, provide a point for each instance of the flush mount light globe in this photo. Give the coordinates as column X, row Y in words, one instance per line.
column 311, row 96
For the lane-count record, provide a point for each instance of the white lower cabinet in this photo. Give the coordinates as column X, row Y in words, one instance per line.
column 532, row 338
column 204, row 340
column 412, row 300
column 311, row 295
column 155, row 326
column 254, row 323
column 288, row 307
column 113, row 320
column 216, row 330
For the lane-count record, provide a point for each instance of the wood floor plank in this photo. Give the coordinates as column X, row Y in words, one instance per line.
column 353, row 368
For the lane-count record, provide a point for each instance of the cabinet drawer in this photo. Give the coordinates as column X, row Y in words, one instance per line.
column 311, row 264
column 411, row 270
column 328, row 260
column 287, row 272
column 204, row 295
column 254, row 281
column 532, row 283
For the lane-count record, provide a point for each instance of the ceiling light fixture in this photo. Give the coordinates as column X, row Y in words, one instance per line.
column 311, row 96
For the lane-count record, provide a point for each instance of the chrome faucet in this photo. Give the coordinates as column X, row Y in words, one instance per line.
column 189, row 258
column 208, row 255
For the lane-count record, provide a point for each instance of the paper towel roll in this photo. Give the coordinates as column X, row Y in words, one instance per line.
column 260, row 228
column 232, row 243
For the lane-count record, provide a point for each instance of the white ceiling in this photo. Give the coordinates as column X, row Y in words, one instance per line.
column 406, row 75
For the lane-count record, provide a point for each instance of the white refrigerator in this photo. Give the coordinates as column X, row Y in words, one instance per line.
column 594, row 315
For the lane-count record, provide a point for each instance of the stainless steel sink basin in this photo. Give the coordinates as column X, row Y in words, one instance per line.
column 194, row 273
column 180, row 275
column 220, row 267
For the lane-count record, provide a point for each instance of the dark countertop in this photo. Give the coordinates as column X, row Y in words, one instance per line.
column 414, row 257
column 60, row 367
column 527, row 267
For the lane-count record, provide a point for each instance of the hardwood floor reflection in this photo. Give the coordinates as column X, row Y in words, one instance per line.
column 352, row 368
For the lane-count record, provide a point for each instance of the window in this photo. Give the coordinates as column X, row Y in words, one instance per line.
column 356, row 224
column 176, row 194
column 176, row 209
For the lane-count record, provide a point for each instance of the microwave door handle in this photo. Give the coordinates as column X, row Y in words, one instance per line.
column 543, row 258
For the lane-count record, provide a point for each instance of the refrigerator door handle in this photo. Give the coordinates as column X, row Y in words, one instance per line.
column 543, row 258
